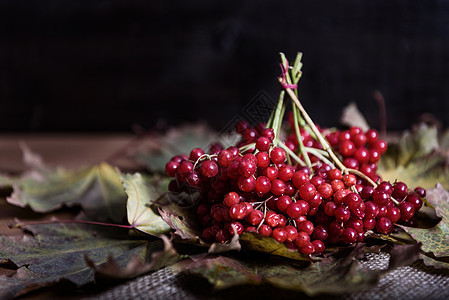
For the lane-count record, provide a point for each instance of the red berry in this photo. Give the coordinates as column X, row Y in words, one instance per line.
column 231, row 198
column 195, row 154
column 307, row 191
column 209, row 169
column 263, row 143
column 263, row 185
column 246, row 184
column 263, row 159
column 278, row 155
column 279, row 234
column 237, row 211
column 255, row 217
column 278, row 187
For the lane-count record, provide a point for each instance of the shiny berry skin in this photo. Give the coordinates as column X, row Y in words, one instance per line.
column 335, row 174
column 380, row 146
column 337, row 185
column 371, row 136
column 263, row 185
column 171, row 168
column 369, row 224
column 307, row 191
column 309, row 248
column 247, row 167
column 349, row 180
column 292, row 233
column 286, row 172
column 407, row 210
column 224, row 158
column 263, row 143
column 195, row 154
column 246, row 184
column 231, row 198
column 393, row 213
column 278, row 155
column 318, row 246
column 325, row 190
column 209, row 169
column 320, row 232
column 255, row 217
column 347, row 148
column 306, row 226
column 420, row 191
column 265, row 230
column 283, row 202
column 263, row 159
column 271, row 173
column 384, row 225
column 342, row 214
column 269, row 133
column 193, row 179
column 278, row 187
column 351, row 163
column 374, row 155
column 279, row 234
column 367, row 191
column 415, row 200
column 359, row 140
column 400, row 190
column 371, row 209
column 235, row 227
column 272, row 218
column 380, row 198
column 237, row 211
column 302, row 239
column 362, row 155
column 349, row 235
column 295, row 210
column 299, row 178
column 185, row 167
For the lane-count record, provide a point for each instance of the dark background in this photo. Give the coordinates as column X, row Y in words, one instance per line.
column 109, row 65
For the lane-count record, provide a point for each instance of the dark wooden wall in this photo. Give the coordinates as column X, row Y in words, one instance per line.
column 108, row 65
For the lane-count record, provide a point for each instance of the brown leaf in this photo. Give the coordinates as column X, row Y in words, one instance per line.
column 110, row 270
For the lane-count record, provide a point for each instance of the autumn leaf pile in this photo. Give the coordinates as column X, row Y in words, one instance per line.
column 131, row 223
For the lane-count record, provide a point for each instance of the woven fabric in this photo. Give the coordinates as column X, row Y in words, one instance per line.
column 411, row 282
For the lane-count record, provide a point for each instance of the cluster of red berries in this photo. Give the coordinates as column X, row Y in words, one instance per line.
column 257, row 190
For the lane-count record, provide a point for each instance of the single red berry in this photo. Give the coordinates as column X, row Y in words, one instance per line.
column 279, row 234
column 263, row 159
column 278, row 187
column 263, row 143
column 299, row 178
column 231, row 198
column 246, row 184
column 195, row 154
column 209, row 169
column 278, row 155
column 292, row 233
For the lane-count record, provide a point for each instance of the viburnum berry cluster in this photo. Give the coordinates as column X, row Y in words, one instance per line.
column 314, row 188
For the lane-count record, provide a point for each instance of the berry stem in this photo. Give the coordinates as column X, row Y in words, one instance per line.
column 322, row 140
column 315, row 130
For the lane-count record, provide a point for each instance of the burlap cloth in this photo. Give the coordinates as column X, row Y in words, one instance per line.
column 411, row 282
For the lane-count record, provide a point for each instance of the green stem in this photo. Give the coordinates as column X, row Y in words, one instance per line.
column 292, row 154
column 298, row 137
column 315, row 130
